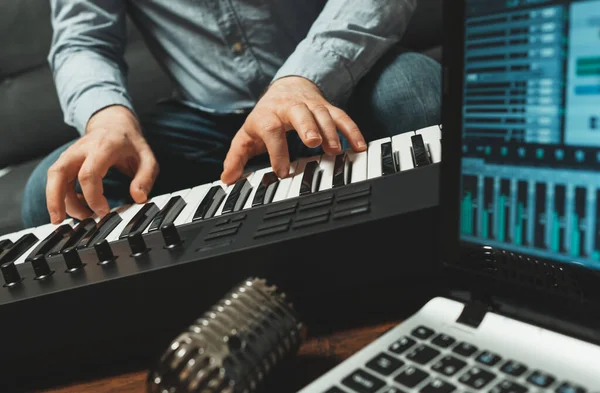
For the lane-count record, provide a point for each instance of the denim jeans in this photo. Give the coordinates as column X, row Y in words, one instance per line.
column 402, row 92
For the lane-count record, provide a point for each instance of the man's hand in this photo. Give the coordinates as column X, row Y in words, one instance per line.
column 291, row 103
column 113, row 138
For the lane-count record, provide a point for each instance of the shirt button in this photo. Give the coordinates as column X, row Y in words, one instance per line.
column 238, row 47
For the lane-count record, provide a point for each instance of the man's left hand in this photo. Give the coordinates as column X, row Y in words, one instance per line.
column 291, row 103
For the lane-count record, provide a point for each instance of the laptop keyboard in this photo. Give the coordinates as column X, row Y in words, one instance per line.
column 427, row 361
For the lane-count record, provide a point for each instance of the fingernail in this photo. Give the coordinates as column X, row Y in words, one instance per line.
column 360, row 144
column 312, row 135
column 282, row 173
column 334, row 146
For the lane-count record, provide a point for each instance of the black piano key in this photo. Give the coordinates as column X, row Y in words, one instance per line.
column 388, row 165
column 266, row 189
column 81, row 229
column 19, row 248
column 339, row 170
column 237, row 197
column 310, row 178
column 420, row 152
column 141, row 220
column 102, row 228
column 4, row 244
column 211, row 202
column 46, row 245
column 168, row 213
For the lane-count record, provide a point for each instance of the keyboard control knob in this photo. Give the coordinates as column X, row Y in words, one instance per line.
column 11, row 274
column 137, row 244
column 104, row 252
column 41, row 268
column 72, row 259
column 171, row 236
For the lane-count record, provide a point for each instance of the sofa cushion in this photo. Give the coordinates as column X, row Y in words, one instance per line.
column 31, row 118
column 12, row 185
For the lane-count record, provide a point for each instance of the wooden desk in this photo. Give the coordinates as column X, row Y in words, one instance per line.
column 316, row 356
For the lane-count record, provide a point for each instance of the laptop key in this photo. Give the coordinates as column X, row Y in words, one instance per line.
column 363, row 382
column 465, row 349
column 477, row 378
column 513, row 368
column 422, row 332
column 334, row 389
column 438, row 386
column 509, row 387
column 423, row 354
column 402, row 345
column 449, row 365
column 488, row 358
column 569, row 388
column 392, row 389
column 541, row 379
column 411, row 377
column 443, row 340
column 384, row 364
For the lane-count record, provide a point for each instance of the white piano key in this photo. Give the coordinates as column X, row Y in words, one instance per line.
column 294, row 190
column 374, row 158
column 255, row 182
column 41, row 233
column 359, row 162
column 284, row 184
column 11, row 236
column 211, row 185
column 402, row 147
column 127, row 212
column 182, row 193
column 247, row 176
column 432, row 136
column 327, row 164
column 192, row 200
column 160, row 202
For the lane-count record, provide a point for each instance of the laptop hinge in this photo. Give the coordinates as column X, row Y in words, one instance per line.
column 474, row 311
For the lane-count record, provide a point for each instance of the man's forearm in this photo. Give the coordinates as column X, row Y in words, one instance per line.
column 345, row 41
column 86, row 57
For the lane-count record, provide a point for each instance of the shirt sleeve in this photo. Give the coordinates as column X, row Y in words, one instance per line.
column 87, row 57
column 345, row 41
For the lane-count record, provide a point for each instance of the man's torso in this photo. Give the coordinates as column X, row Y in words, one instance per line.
column 233, row 47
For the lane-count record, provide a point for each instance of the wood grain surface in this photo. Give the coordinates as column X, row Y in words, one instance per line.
column 316, row 356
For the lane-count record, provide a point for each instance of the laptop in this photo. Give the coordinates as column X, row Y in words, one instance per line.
column 520, row 213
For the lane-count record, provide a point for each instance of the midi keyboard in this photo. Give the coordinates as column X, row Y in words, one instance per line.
column 90, row 293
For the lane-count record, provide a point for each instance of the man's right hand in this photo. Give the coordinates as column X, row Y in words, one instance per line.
column 113, row 138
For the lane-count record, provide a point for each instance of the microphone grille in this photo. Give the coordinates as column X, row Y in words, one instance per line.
column 233, row 346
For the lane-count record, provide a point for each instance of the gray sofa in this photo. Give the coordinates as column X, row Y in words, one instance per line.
column 31, row 122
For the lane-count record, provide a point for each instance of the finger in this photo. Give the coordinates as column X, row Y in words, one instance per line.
column 349, row 128
column 273, row 134
column 60, row 174
column 241, row 149
column 303, row 121
column 331, row 144
column 75, row 207
column 90, row 177
column 145, row 176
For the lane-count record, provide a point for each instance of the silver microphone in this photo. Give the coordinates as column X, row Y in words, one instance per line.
column 233, row 346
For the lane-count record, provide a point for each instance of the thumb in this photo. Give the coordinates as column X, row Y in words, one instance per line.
column 145, row 176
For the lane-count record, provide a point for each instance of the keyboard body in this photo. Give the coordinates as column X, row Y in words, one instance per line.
column 328, row 242
column 432, row 353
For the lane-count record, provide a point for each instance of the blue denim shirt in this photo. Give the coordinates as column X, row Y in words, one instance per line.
column 220, row 54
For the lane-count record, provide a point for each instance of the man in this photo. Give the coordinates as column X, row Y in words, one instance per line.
column 246, row 73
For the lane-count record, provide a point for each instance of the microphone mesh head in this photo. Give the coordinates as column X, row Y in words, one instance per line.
column 233, row 346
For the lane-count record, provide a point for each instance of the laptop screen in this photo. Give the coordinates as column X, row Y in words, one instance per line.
column 530, row 177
